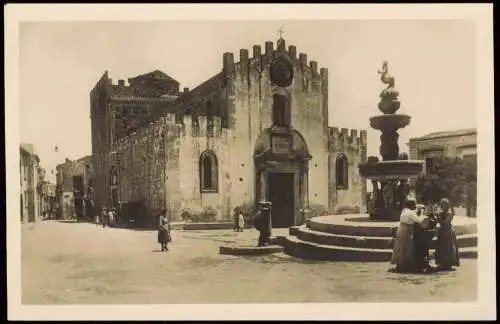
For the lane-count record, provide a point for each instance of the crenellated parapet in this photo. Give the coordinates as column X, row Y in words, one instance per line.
column 170, row 126
column 344, row 139
column 248, row 66
column 156, row 130
column 201, row 126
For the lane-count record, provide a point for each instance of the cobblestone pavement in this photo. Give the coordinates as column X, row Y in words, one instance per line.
column 69, row 263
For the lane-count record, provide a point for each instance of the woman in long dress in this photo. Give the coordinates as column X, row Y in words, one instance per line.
column 447, row 254
column 164, row 231
column 403, row 254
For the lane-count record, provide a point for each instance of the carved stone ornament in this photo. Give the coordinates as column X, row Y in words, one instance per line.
column 281, row 72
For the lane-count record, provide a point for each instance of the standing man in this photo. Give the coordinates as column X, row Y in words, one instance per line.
column 111, row 217
column 262, row 222
column 104, row 217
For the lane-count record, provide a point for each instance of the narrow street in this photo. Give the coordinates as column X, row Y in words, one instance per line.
column 79, row 263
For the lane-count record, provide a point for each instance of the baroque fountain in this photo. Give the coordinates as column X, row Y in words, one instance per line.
column 390, row 176
column 362, row 237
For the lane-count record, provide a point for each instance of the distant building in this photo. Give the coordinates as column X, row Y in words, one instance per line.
column 458, row 143
column 30, row 173
column 48, row 200
column 74, row 181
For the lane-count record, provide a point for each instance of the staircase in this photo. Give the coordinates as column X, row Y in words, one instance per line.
column 349, row 238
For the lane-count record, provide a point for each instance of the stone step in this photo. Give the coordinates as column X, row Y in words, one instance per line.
column 368, row 242
column 351, row 229
column 360, row 229
column 249, row 250
column 313, row 251
column 364, row 242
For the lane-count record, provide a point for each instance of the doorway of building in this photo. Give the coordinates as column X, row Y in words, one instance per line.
column 114, row 198
column 78, row 208
column 281, row 195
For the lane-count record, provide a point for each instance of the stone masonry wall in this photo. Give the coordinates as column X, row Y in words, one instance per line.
column 354, row 148
column 160, row 165
column 239, row 100
column 249, row 94
column 101, row 140
column 196, row 138
column 140, row 159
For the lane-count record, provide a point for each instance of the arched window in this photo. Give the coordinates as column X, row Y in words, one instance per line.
column 208, row 172
column 342, row 172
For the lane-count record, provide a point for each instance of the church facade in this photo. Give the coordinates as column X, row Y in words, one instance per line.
column 256, row 130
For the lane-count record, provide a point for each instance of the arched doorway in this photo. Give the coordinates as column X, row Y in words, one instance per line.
column 281, row 161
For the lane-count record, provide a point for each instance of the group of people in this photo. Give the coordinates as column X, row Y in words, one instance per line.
column 261, row 221
column 415, row 233
column 108, row 217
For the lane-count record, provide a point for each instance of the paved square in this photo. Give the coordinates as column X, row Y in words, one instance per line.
column 69, row 263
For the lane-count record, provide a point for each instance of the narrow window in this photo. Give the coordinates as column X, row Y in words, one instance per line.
column 279, row 110
column 208, row 172
column 429, row 166
column 342, row 172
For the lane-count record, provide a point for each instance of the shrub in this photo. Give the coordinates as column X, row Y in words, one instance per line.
column 316, row 210
column 209, row 214
column 346, row 209
column 195, row 214
column 190, row 214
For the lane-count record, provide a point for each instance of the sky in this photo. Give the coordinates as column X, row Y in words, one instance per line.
column 432, row 61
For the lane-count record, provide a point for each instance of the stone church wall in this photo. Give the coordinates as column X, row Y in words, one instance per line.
column 353, row 147
column 249, row 93
column 160, row 165
column 239, row 102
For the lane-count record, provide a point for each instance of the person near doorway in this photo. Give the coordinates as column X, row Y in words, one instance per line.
column 111, row 218
column 97, row 219
column 239, row 220
column 104, row 217
column 447, row 255
column 262, row 222
column 164, row 231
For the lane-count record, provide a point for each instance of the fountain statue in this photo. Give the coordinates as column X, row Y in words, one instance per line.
column 390, row 176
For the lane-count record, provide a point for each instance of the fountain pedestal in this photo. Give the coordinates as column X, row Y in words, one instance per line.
column 390, row 176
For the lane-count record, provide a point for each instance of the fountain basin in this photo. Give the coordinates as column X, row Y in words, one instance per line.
column 390, row 121
column 387, row 170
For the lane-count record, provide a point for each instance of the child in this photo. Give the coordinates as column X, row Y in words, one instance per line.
column 241, row 221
